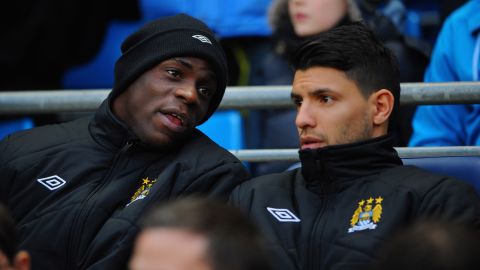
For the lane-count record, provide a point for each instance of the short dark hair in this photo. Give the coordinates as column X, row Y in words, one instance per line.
column 234, row 241
column 8, row 234
column 354, row 49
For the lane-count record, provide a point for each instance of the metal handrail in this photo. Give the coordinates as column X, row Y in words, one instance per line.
column 263, row 155
column 248, row 97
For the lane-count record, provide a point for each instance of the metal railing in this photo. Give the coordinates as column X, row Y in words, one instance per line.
column 262, row 155
column 254, row 97
column 251, row 97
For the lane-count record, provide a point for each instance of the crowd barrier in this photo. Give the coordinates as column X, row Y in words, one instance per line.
column 249, row 97
column 254, row 97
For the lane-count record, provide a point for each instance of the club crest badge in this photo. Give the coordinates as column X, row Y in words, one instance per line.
column 367, row 215
column 143, row 190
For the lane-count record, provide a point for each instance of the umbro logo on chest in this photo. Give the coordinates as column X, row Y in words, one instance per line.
column 283, row 215
column 52, row 182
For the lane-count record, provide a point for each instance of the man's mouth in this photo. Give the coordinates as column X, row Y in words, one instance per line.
column 311, row 143
column 300, row 16
column 175, row 119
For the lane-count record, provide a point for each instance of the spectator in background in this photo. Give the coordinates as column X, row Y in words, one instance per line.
column 430, row 245
column 352, row 190
column 10, row 257
column 456, row 57
column 194, row 234
column 294, row 21
column 77, row 189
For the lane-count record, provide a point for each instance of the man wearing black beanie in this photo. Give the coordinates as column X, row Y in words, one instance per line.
column 77, row 189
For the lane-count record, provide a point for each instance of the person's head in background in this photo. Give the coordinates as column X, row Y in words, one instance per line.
column 306, row 19
column 294, row 20
column 10, row 257
column 431, row 245
column 198, row 234
column 346, row 87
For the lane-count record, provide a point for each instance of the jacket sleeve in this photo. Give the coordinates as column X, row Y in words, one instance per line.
column 452, row 200
column 235, row 196
column 441, row 125
column 6, row 173
column 219, row 181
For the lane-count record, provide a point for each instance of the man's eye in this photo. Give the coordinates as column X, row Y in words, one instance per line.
column 297, row 102
column 204, row 91
column 173, row 72
column 326, row 99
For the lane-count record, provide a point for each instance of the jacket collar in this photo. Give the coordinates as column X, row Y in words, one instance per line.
column 348, row 161
column 108, row 130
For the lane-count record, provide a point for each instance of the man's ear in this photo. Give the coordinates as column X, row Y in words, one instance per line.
column 383, row 102
column 22, row 261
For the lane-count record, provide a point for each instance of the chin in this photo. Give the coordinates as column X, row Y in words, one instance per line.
column 162, row 141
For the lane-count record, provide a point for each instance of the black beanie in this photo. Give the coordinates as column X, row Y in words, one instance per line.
column 165, row 38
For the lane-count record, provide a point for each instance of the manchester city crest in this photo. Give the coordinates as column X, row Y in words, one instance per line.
column 367, row 215
column 143, row 190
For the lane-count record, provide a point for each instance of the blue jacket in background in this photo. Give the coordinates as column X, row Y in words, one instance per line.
column 455, row 58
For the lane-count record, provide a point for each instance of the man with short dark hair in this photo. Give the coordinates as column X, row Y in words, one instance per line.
column 351, row 190
column 77, row 189
column 198, row 234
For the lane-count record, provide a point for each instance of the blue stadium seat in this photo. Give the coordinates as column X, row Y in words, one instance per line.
column 464, row 168
column 413, row 24
column 10, row 126
column 225, row 127
column 98, row 73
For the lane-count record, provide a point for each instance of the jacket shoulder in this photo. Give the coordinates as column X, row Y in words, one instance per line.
column 277, row 184
column 200, row 146
column 283, row 180
column 422, row 182
column 41, row 138
column 441, row 197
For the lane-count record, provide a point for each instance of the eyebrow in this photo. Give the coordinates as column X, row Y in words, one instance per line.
column 188, row 65
column 183, row 63
column 316, row 93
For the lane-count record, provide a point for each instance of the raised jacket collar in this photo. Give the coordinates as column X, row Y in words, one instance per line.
column 348, row 161
column 106, row 129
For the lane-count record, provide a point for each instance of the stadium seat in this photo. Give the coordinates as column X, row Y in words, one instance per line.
column 10, row 126
column 98, row 73
column 225, row 127
column 413, row 24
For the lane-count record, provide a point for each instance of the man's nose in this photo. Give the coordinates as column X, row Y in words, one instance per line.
column 297, row 2
column 305, row 117
column 188, row 93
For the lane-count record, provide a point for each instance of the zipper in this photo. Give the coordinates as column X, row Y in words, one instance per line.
column 312, row 251
column 79, row 220
column 127, row 146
